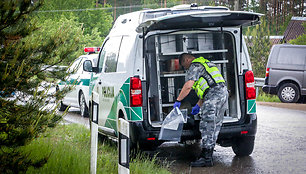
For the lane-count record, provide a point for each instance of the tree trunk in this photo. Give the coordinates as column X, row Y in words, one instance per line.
column 277, row 16
column 247, row 4
column 115, row 11
column 292, row 7
column 301, row 7
column 237, row 5
column 284, row 11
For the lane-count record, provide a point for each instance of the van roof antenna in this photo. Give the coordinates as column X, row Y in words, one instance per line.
column 193, row 5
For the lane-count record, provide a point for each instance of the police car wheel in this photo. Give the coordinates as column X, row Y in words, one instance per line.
column 83, row 106
column 62, row 107
column 243, row 146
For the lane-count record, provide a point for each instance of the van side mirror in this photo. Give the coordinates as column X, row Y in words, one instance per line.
column 95, row 69
column 87, row 66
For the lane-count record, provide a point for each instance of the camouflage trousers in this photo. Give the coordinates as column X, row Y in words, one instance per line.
column 212, row 115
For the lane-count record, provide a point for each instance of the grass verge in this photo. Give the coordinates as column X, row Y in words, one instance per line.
column 68, row 151
column 264, row 97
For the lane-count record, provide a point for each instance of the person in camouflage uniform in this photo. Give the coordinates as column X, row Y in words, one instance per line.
column 204, row 77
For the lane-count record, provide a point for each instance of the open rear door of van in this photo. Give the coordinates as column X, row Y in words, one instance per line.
column 205, row 19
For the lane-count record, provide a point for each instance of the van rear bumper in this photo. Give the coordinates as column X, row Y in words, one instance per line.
column 227, row 134
column 269, row 89
column 247, row 129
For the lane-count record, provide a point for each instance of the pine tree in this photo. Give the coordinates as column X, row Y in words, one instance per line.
column 300, row 40
column 24, row 52
column 259, row 47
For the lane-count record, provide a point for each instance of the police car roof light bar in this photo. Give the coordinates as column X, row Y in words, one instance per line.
column 91, row 49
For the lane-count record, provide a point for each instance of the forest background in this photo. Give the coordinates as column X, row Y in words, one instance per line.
column 95, row 18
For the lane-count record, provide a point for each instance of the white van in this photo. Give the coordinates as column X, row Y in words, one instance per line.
column 138, row 76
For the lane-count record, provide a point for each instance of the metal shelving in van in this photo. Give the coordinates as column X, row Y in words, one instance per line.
column 195, row 52
column 167, row 49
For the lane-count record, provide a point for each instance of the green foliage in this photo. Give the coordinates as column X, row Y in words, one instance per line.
column 56, row 143
column 267, row 98
column 91, row 20
column 264, row 97
column 73, row 30
column 253, row 6
column 259, row 47
column 301, row 40
column 20, row 124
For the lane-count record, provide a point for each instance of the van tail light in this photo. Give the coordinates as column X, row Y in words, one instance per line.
column 135, row 92
column 250, row 85
column 244, row 132
column 267, row 72
column 91, row 49
column 151, row 139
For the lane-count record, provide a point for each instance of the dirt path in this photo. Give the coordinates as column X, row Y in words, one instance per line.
column 295, row 106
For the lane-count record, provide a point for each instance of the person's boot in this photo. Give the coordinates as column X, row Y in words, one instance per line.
column 205, row 159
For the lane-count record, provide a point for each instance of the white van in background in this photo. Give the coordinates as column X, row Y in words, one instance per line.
column 138, row 76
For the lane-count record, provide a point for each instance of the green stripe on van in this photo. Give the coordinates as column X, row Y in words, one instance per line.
column 251, row 106
column 136, row 114
column 85, row 82
column 111, row 120
column 132, row 113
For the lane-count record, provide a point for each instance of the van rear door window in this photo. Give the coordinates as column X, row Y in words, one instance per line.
column 295, row 56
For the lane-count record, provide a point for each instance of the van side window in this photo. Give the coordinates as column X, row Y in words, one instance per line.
column 291, row 56
column 111, row 54
column 124, row 53
column 101, row 58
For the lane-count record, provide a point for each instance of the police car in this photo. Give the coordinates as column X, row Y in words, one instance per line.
column 79, row 78
column 138, row 76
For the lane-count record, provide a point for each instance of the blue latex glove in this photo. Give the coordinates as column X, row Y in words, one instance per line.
column 195, row 109
column 177, row 104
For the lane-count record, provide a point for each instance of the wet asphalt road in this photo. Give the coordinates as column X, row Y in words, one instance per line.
column 279, row 146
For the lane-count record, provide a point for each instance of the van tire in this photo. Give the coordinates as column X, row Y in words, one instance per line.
column 288, row 93
column 62, row 107
column 243, row 146
column 83, row 106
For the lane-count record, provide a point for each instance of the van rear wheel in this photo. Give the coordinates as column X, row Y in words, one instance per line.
column 288, row 93
column 243, row 146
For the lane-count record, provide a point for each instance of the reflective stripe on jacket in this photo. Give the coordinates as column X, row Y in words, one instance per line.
column 202, row 85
